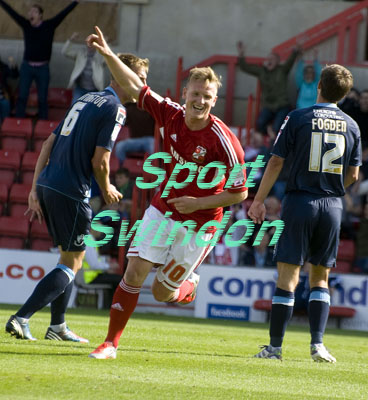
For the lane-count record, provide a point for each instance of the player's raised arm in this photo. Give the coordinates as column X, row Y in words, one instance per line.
column 124, row 76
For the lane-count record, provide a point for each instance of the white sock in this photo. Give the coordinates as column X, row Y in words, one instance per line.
column 58, row 328
column 22, row 320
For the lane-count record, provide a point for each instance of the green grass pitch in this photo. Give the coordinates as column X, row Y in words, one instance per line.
column 174, row 358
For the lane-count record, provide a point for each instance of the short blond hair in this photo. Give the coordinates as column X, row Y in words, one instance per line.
column 204, row 74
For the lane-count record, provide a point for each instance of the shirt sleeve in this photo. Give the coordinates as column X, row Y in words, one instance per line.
column 20, row 20
column 285, row 139
column 110, row 125
column 231, row 154
column 58, row 18
column 160, row 108
column 356, row 154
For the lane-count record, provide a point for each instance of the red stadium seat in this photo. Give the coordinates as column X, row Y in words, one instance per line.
column 114, row 165
column 14, row 143
column 43, row 128
column 11, row 243
column 29, row 160
column 57, row 113
column 19, row 127
column 56, row 97
column 42, row 131
column 14, row 227
column 346, row 250
column 9, row 159
column 9, row 166
column 19, row 193
column 7, row 177
column 134, row 165
column 27, row 177
column 41, row 244
column 28, row 166
column 342, row 267
column 39, row 231
column 32, row 98
column 59, row 97
column 3, row 193
column 18, row 210
column 124, row 133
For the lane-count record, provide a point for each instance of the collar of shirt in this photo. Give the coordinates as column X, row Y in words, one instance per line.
column 334, row 105
column 113, row 92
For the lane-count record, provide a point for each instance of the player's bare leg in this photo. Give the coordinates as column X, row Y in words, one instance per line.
column 123, row 304
column 185, row 294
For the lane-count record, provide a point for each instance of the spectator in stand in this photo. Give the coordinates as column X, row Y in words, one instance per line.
column 6, row 72
column 88, row 72
column 38, row 37
column 306, row 79
column 140, row 123
column 273, row 77
column 362, row 240
column 360, row 115
column 350, row 102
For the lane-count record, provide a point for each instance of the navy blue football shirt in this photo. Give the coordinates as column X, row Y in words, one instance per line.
column 322, row 141
column 93, row 120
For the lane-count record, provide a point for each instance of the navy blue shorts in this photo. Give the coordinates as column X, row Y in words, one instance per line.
column 67, row 220
column 312, row 229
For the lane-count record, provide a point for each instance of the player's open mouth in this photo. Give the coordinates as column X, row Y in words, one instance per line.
column 198, row 108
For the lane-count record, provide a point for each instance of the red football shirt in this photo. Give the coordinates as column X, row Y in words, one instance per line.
column 215, row 142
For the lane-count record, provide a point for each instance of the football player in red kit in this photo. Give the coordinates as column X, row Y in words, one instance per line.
column 190, row 134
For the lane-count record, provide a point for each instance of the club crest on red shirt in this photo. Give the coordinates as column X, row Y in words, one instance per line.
column 199, row 154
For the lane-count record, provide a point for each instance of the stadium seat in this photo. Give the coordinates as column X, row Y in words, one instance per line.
column 14, row 143
column 43, row 128
column 17, row 127
column 42, row 131
column 27, row 168
column 123, row 134
column 16, row 227
column 134, row 165
column 3, row 193
column 19, row 193
column 41, row 244
column 3, row 197
column 11, row 243
column 59, row 97
column 29, row 160
column 346, row 250
column 9, row 166
column 38, row 231
column 18, row 210
column 114, row 165
column 342, row 267
column 27, row 177
column 57, row 114
column 56, row 97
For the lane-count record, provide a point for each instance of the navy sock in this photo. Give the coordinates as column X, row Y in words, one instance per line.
column 318, row 310
column 281, row 312
column 47, row 290
column 60, row 304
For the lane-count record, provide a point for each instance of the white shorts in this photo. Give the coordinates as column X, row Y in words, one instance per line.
column 175, row 262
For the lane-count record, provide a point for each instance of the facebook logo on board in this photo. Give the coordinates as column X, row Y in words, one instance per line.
column 223, row 311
